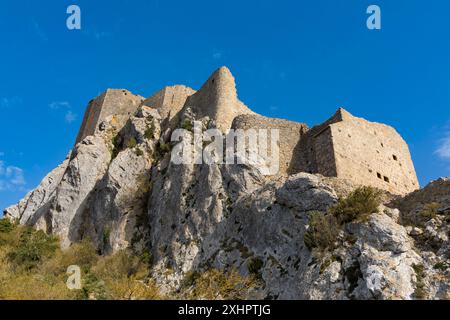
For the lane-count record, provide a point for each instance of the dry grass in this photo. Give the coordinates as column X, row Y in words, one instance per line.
column 33, row 267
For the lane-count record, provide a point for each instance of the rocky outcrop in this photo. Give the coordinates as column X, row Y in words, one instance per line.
column 119, row 188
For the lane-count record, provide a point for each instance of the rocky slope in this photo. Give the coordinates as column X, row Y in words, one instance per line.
column 119, row 188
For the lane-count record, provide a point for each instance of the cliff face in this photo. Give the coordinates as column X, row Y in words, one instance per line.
column 119, row 188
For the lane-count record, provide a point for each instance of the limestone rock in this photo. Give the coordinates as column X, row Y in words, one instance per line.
column 30, row 210
column 119, row 188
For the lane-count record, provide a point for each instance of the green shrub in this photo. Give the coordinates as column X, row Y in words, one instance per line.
column 187, row 125
column 441, row 266
column 419, row 219
column 33, row 267
column 6, row 226
column 139, row 152
column 32, row 249
column 164, row 148
column 254, row 267
column 358, row 205
column 323, row 231
column 419, row 292
column 105, row 236
column 430, row 211
column 116, row 145
column 149, row 133
column 132, row 143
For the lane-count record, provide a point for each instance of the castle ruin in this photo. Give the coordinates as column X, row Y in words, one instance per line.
column 344, row 146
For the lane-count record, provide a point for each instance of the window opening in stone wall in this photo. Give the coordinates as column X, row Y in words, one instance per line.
column 382, row 145
column 386, row 179
column 379, row 175
column 395, row 157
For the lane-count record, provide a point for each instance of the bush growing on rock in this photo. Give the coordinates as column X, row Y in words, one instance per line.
column 324, row 229
column 322, row 232
column 358, row 205
column 420, row 218
column 132, row 143
column 149, row 133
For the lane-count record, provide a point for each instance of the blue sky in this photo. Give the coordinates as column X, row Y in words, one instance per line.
column 298, row 60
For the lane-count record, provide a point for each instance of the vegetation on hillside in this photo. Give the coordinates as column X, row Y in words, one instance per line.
column 324, row 228
column 33, row 267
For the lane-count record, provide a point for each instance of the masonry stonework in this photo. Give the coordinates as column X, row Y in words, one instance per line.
column 290, row 134
column 120, row 103
column 364, row 152
column 344, row 146
column 218, row 100
column 169, row 102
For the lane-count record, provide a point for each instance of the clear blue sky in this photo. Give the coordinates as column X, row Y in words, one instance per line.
column 298, row 60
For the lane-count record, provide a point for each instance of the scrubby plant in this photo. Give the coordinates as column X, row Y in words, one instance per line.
column 82, row 254
column 164, row 148
column 358, row 206
column 138, row 152
column 32, row 248
column 419, row 292
column 430, row 211
column 217, row 284
column 419, row 219
column 7, row 231
column 322, row 232
column 187, row 125
column 35, row 270
column 190, row 278
column 32, row 266
column 441, row 266
column 149, row 133
column 116, row 145
column 254, row 267
column 132, row 143
column 6, row 225
column 105, row 236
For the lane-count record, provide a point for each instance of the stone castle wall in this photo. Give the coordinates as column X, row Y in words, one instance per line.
column 373, row 154
column 344, row 146
column 218, row 100
column 169, row 102
column 113, row 102
column 290, row 135
column 366, row 153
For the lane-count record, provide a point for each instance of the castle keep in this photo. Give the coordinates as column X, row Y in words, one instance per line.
column 344, row 146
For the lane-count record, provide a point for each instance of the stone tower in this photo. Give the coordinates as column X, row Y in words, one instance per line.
column 367, row 153
column 218, row 100
column 119, row 103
